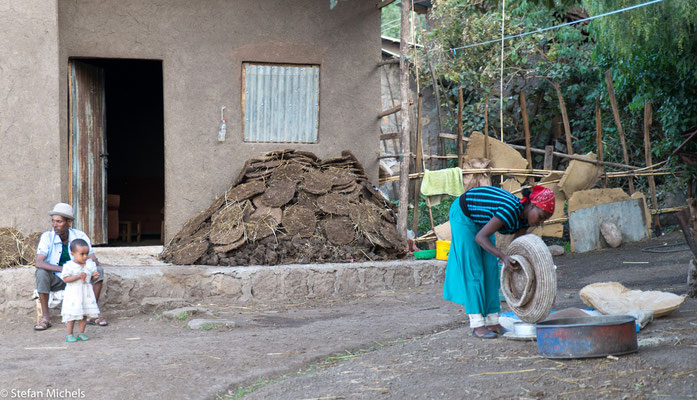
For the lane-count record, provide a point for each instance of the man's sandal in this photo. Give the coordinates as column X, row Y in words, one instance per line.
column 42, row 325
column 70, row 339
column 82, row 337
column 97, row 321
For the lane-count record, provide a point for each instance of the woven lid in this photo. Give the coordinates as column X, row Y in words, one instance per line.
column 531, row 289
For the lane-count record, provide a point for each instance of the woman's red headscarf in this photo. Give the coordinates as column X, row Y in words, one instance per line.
column 542, row 197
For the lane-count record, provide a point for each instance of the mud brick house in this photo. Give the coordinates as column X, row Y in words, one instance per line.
column 124, row 97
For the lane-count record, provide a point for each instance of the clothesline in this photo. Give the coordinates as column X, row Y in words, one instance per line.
column 540, row 30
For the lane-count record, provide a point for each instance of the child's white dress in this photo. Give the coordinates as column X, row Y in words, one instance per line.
column 78, row 299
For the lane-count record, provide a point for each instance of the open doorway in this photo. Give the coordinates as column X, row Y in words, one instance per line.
column 133, row 137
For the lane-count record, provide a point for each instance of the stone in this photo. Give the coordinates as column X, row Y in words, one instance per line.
column 347, row 281
column 295, row 284
column 226, row 285
column 266, row 285
column 374, row 279
column 403, row 278
column 322, row 283
column 207, row 324
column 175, row 313
column 556, row 250
column 153, row 304
column 611, row 233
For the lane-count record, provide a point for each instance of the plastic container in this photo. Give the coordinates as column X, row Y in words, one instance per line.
column 425, row 254
column 442, row 249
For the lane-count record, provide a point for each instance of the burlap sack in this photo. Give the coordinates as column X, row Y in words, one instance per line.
column 470, row 181
column 580, row 175
column 500, row 154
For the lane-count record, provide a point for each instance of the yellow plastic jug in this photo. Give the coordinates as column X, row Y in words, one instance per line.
column 442, row 249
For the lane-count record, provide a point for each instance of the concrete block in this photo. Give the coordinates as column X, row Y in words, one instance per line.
column 584, row 224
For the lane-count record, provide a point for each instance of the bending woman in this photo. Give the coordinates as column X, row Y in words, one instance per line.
column 472, row 274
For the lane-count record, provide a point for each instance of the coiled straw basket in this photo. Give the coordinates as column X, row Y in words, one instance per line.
column 530, row 290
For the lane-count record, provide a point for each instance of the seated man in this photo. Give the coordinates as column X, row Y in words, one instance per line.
column 51, row 253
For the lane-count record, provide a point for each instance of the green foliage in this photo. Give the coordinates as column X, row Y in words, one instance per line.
column 392, row 22
column 181, row 316
column 440, row 214
column 652, row 53
column 207, row 327
column 531, row 63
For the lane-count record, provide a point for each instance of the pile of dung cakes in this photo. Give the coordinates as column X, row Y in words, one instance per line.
column 289, row 207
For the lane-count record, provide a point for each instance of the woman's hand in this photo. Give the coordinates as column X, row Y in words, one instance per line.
column 511, row 263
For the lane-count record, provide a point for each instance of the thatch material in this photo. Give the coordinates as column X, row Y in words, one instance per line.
column 17, row 249
column 289, row 206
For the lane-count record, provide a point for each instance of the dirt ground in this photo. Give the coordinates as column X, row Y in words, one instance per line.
column 393, row 345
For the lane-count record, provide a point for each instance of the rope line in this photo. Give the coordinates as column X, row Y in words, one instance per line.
column 540, row 30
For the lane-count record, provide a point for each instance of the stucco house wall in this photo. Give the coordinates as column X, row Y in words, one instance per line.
column 202, row 45
column 31, row 163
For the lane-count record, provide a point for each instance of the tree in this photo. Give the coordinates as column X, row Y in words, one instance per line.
column 652, row 53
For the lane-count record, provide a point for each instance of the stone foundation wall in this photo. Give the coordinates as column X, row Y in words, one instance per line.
column 148, row 288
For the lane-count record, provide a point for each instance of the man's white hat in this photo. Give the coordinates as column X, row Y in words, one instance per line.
column 63, row 209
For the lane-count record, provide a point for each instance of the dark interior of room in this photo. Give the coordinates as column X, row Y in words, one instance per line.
column 135, row 147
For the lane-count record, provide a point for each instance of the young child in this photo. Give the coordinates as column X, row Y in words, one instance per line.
column 78, row 299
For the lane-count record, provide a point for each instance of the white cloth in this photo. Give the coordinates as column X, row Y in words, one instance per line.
column 491, row 319
column 78, row 299
column 54, row 298
column 476, row 320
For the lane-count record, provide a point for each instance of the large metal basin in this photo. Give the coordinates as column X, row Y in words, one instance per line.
column 587, row 336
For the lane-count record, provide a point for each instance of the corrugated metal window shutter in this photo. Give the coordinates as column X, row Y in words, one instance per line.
column 281, row 103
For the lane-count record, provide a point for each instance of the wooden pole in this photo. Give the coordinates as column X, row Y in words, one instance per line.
column 460, row 137
column 391, row 111
column 599, row 136
column 486, row 129
column 404, row 159
column 436, row 93
column 526, row 129
column 648, row 120
column 418, row 166
column 549, row 157
column 540, row 151
column 565, row 118
column 620, row 131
